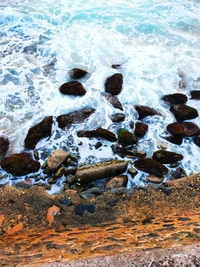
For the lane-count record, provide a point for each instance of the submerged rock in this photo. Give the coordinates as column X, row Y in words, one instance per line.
column 140, row 129
column 117, row 117
column 77, row 73
column 175, row 98
column 195, row 94
column 166, row 157
column 72, row 88
column 116, row 66
column 117, row 182
column 113, row 100
column 56, row 158
column 98, row 133
column 4, row 145
column 20, row 164
column 126, row 138
column 93, row 172
column 113, row 84
column 183, row 112
column 151, row 166
column 145, row 111
column 38, row 132
column 183, row 129
column 66, row 120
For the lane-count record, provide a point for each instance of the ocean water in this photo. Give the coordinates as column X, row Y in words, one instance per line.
column 40, row 42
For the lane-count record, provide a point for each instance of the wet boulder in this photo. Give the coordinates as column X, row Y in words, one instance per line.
column 38, row 132
column 177, row 140
column 183, row 112
column 174, row 99
column 197, row 140
column 166, row 157
column 77, row 73
column 144, row 111
column 20, row 164
column 100, row 170
column 151, row 166
column 195, row 94
column 140, row 129
column 117, row 182
column 116, row 66
column 113, row 84
column 117, row 117
column 183, row 129
column 56, row 158
column 98, row 133
column 4, row 145
column 126, row 138
column 154, row 179
column 66, row 120
column 113, row 100
column 72, row 88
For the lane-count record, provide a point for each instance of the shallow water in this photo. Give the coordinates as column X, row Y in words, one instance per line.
column 151, row 39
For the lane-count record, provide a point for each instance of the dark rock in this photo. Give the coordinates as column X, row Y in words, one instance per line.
column 183, row 129
column 117, row 182
column 52, row 180
column 119, row 150
column 77, row 73
column 98, row 133
column 97, row 171
column 117, row 117
column 38, row 132
column 4, row 145
column 178, row 173
column 113, row 100
column 116, row 66
column 183, row 112
column 151, row 166
column 112, row 201
column 197, row 140
column 125, row 138
column 81, row 208
column 174, row 139
column 140, row 129
column 133, row 172
column 20, row 164
column 166, row 157
column 195, row 94
column 154, row 179
column 113, row 84
column 66, row 202
column 98, row 145
column 175, row 99
column 66, row 120
column 145, row 111
column 72, row 88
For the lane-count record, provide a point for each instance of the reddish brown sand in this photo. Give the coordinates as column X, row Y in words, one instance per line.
column 139, row 228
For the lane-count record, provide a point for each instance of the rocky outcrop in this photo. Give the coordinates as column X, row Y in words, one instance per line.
column 140, row 129
column 144, row 111
column 113, row 84
column 56, row 158
column 117, row 182
column 166, row 157
column 66, row 120
column 77, row 73
column 183, row 112
column 126, row 138
column 183, row 129
column 151, row 166
column 38, row 132
column 20, row 164
column 98, row 133
column 195, row 94
column 93, row 172
column 173, row 99
column 72, row 88
column 113, row 100
column 4, row 145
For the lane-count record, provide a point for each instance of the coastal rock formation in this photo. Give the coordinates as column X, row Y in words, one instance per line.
column 195, row 94
column 66, row 120
column 4, row 145
column 72, row 88
column 183, row 129
column 113, row 100
column 113, row 84
column 38, row 132
column 126, row 138
column 145, row 111
column 183, row 112
column 140, row 129
column 174, row 99
column 56, row 158
column 151, row 166
column 77, row 73
column 20, row 164
column 117, row 182
column 98, row 133
column 93, row 172
column 166, row 157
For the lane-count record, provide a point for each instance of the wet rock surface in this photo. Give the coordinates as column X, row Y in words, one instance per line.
column 140, row 129
column 72, row 88
column 113, row 100
column 183, row 129
column 117, row 182
column 176, row 98
column 126, row 138
column 183, row 112
column 145, row 111
column 151, row 166
column 4, row 146
column 77, row 73
column 56, row 158
column 166, row 157
column 195, row 94
column 113, row 84
column 98, row 133
column 20, row 164
column 117, row 117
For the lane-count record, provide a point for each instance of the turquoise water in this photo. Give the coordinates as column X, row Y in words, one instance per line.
column 40, row 43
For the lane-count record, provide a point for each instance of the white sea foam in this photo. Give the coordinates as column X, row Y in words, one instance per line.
column 150, row 39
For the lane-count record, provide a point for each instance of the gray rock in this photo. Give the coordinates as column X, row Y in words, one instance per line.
column 56, row 158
